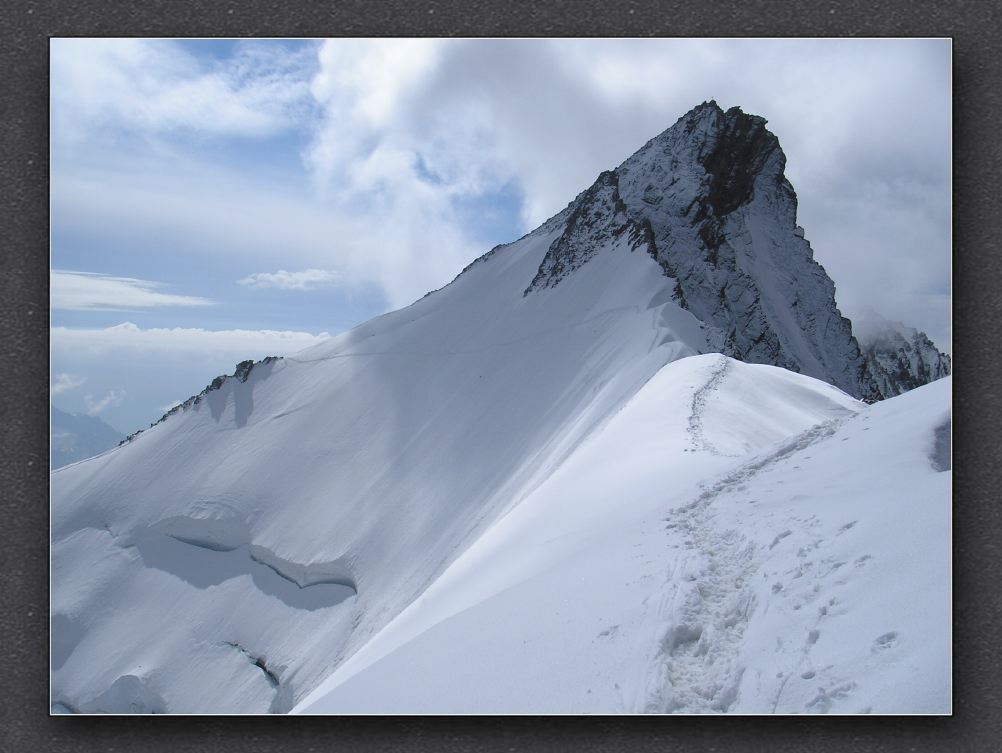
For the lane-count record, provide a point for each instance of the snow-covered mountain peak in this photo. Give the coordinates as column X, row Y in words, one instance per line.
column 709, row 200
column 525, row 431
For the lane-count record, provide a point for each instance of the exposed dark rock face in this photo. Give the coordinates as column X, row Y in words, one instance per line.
column 597, row 219
column 711, row 201
column 240, row 373
column 899, row 358
column 743, row 146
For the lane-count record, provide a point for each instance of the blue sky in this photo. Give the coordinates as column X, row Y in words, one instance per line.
column 215, row 200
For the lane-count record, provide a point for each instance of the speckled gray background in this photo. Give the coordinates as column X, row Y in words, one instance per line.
column 26, row 27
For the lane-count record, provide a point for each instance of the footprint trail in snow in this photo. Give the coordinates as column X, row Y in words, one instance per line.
column 707, row 600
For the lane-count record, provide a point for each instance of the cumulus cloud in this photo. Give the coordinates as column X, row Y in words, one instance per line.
column 865, row 125
column 99, row 405
column 65, row 382
column 309, row 279
column 133, row 339
column 80, row 291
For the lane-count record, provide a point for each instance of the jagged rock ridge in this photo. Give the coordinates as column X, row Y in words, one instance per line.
column 712, row 197
column 597, row 218
column 900, row 358
column 240, row 373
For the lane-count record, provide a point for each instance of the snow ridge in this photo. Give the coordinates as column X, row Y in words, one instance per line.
column 707, row 600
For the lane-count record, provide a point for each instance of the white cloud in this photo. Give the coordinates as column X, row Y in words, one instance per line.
column 96, row 406
column 169, row 406
column 81, row 291
column 865, row 125
column 406, row 239
column 308, row 279
column 157, row 87
column 181, row 341
column 403, row 130
column 65, row 382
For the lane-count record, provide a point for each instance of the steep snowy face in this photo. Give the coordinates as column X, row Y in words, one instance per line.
column 231, row 556
column 899, row 358
column 721, row 218
column 594, row 221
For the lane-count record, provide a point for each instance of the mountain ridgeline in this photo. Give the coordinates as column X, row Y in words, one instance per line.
column 710, row 201
column 505, row 449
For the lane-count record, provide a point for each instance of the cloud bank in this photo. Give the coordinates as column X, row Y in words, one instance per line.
column 133, row 339
column 96, row 406
column 405, row 144
column 80, row 291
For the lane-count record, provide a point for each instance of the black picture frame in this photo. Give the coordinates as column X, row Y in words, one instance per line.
column 27, row 27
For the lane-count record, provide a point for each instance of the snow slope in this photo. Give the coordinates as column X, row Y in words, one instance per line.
column 226, row 536
column 810, row 574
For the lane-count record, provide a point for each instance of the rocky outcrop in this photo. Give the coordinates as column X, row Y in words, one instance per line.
column 711, row 196
column 241, row 372
column 899, row 358
column 597, row 219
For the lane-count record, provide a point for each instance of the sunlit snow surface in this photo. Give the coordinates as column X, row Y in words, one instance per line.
column 490, row 502
column 687, row 559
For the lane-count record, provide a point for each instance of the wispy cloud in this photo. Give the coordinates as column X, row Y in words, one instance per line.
column 81, row 291
column 65, row 382
column 157, row 87
column 309, row 279
column 96, row 406
column 234, row 342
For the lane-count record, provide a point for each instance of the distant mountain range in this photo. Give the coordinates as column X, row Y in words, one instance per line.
column 76, row 436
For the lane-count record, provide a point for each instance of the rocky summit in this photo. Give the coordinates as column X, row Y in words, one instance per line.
column 710, row 200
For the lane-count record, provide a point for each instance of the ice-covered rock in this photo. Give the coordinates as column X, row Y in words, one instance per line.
column 899, row 358
column 723, row 222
